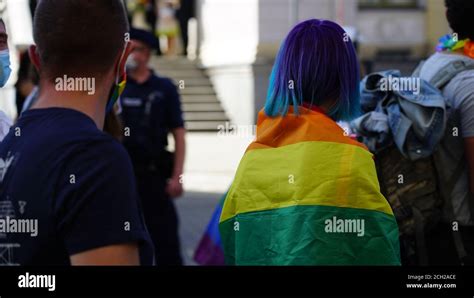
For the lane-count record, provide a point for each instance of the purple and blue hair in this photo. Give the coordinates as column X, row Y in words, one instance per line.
column 317, row 65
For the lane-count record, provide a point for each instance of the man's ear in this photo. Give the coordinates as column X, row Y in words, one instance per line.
column 122, row 60
column 34, row 57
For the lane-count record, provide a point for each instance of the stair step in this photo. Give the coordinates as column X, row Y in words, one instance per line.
column 193, row 82
column 205, row 116
column 203, row 125
column 198, row 98
column 202, row 107
column 197, row 90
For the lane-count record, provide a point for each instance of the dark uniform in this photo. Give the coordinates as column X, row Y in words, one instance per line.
column 186, row 11
column 150, row 111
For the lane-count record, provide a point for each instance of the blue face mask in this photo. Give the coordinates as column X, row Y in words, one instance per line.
column 5, row 69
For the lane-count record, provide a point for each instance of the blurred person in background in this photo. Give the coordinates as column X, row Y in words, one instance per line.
column 455, row 155
column 151, row 110
column 151, row 14
column 304, row 193
column 143, row 14
column 186, row 11
column 5, row 71
column 28, row 80
column 168, row 25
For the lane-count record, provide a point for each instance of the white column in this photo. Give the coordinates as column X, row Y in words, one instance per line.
column 228, row 46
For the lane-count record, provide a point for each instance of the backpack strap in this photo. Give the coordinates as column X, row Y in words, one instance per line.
column 449, row 72
column 458, row 242
column 421, row 249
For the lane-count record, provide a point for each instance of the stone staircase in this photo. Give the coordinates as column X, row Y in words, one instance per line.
column 201, row 107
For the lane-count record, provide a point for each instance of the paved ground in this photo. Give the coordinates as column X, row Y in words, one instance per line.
column 195, row 210
column 211, row 162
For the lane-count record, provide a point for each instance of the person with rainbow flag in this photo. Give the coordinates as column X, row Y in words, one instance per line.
column 305, row 193
column 451, row 241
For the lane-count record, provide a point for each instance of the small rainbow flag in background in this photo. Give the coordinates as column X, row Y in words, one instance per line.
column 209, row 251
column 299, row 193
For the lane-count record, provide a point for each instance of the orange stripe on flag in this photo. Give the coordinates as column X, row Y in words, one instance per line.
column 308, row 126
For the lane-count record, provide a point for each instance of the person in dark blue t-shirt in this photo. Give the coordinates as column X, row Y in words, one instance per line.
column 151, row 109
column 67, row 190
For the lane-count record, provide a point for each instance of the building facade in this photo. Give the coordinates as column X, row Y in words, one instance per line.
column 238, row 39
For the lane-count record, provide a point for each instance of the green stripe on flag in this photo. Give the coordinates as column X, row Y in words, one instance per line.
column 301, row 235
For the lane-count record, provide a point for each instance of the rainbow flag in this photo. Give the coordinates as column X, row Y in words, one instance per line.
column 209, row 251
column 305, row 194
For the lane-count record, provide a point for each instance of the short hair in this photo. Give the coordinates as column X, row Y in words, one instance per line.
column 319, row 59
column 79, row 37
column 459, row 14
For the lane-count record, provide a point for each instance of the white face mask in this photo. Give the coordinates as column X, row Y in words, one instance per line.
column 5, row 69
column 131, row 63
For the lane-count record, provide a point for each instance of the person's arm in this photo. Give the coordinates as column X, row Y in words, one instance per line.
column 469, row 149
column 175, row 124
column 464, row 95
column 175, row 187
column 119, row 255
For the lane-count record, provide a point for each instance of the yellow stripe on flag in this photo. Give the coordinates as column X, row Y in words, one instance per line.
column 305, row 173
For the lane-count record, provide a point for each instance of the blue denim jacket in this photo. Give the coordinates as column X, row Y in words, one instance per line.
column 414, row 120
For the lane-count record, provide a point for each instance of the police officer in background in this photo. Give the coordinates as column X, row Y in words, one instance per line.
column 151, row 110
